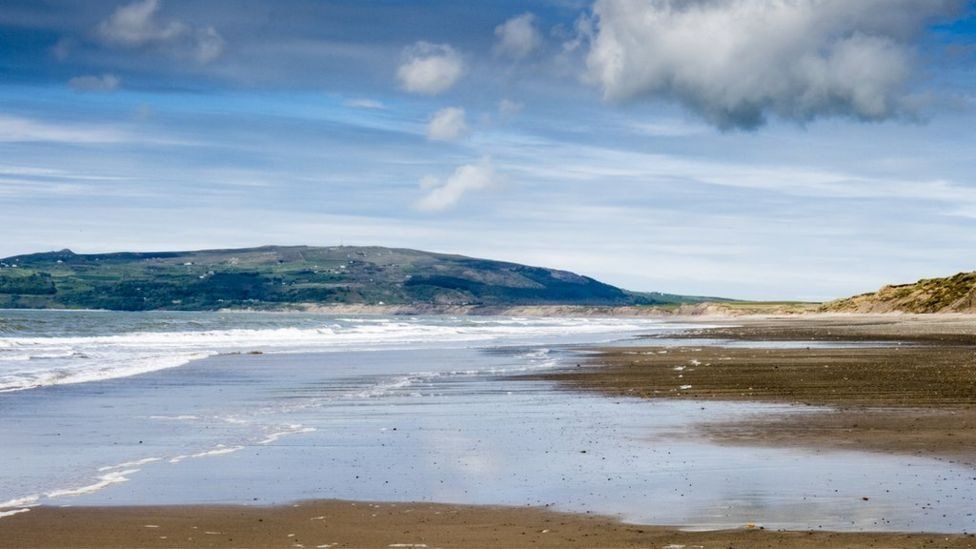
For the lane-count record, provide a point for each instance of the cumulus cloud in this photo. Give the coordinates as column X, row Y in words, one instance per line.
column 737, row 61
column 443, row 194
column 429, row 69
column 518, row 37
column 137, row 25
column 447, row 124
column 91, row 83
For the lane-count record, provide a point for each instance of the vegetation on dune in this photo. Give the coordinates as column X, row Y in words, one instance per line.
column 278, row 277
column 954, row 294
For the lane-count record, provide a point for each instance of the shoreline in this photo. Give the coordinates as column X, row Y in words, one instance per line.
column 334, row 524
column 692, row 312
column 663, row 311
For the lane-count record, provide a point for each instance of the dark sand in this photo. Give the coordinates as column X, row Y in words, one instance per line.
column 915, row 398
column 347, row 524
column 939, row 329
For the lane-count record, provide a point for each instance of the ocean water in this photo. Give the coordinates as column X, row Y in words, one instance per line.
column 167, row 408
column 43, row 348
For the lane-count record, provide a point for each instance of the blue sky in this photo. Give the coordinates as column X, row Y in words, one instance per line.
column 773, row 149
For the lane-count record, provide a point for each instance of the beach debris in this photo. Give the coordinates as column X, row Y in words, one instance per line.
column 685, row 387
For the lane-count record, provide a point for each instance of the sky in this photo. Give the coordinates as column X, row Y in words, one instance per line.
column 758, row 149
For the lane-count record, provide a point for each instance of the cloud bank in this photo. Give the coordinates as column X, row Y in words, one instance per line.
column 136, row 25
column 429, row 69
column 517, row 37
column 735, row 62
column 447, row 124
column 443, row 194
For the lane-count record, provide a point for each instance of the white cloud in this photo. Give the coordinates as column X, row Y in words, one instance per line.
column 447, row 124
column 17, row 129
column 91, row 83
column 736, row 61
column 508, row 108
column 443, row 194
column 371, row 104
column 429, row 69
column 136, row 25
column 669, row 128
column 518, row 37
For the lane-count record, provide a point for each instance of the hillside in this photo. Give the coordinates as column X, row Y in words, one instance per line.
column 277, row 277
column 954, row 294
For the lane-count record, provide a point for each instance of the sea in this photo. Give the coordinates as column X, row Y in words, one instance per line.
column 152, row 408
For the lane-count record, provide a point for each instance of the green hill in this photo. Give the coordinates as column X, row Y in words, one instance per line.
column 277, row 277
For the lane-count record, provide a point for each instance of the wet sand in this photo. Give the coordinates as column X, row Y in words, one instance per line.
column 337, row 524
column 918, row 397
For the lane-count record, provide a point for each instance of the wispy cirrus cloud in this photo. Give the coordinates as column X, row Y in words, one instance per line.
column 91, row 83
column 19, row 129
column 363, row 103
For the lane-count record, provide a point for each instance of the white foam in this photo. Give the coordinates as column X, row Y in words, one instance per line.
column 12, row 512
column 20, row 502
column 291, row 430
column 135, row 463
column 218, row 451
column 105, row 480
